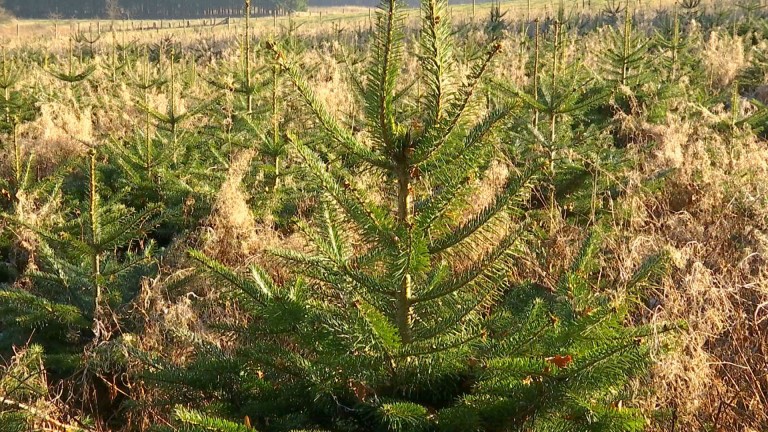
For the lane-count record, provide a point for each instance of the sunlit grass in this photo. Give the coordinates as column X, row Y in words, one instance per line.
column 347, row 16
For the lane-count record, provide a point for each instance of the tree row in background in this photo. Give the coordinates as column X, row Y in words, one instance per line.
column 144, row 9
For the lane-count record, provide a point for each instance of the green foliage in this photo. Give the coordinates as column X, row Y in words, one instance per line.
column 77, row 70
column 749, row 10
column 559, row 132
column 676, row 47
column 614, row 9
column 625, row 56
column 24, row 395
column 163, row 164
column 691, row 8
column 16, row 107
column 626, row 67
column 282, row 5
column 201, row 422
column 753, row 76
column 22, row 383
column 496, row 25
column 86, row 272
column 401, row 314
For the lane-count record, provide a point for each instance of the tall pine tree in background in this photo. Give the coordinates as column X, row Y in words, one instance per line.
column 402, row 313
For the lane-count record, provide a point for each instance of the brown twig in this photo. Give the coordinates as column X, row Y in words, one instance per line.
column 40, row 415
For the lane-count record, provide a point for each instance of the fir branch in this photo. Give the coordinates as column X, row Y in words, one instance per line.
column 382, row 74
column 330, row 126
column 436, row 59
column 490, row 263
column 511, row 193
column 207, row 423
column 259, row 290
column 375, row 224
column 435, row 138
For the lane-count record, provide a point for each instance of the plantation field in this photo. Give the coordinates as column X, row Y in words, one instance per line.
column 447, row 218
column 348, row 17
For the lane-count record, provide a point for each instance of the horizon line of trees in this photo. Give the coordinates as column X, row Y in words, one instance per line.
column 150, row 9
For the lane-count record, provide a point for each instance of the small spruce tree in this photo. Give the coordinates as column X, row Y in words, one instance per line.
column 16, row 107
column 402, row 313
column 88, row 269
column 162, row 163
column 76, row 70
column 625, row 56
column 564, row 138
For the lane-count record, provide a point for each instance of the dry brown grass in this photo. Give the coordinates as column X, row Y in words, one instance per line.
column 723, row 57
column 232, row 233
column 712, row 217
column 59, row 133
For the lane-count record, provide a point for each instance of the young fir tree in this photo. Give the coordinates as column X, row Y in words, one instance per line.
column 17, row 181
column 626, row 68
column 16, row 107
column 750, row 9
column 255, row 108
column 674, row 44
column 754, row 74
column 612, row 10
column 625, row 57
column 143, row 156
column 162, row 163
column 691, row 9
column 681, row 69
column 403, row 316
column 558, row 130
column 76, row 70
column 87, row 269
